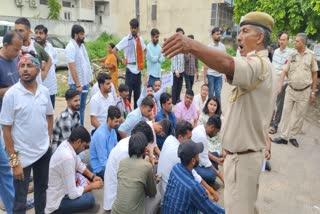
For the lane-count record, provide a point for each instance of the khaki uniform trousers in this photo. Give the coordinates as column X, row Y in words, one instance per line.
column 294, row 109
column 241, row 173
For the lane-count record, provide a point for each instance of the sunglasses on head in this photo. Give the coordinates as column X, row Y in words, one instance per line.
column 32, row 53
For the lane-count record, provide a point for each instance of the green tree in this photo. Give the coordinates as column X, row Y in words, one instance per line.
column 55, row 8
column 294, row 16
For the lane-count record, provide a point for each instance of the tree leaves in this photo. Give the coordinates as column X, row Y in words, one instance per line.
column 55, row 8
column 293, row 16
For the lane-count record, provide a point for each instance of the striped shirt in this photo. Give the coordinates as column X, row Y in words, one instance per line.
column 191, row 65
column 185, row 195
column 177, row 63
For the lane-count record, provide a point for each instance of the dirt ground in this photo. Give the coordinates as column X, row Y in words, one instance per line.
column 292, row 186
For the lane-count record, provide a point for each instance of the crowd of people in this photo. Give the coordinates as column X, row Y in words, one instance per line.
column 160, row 153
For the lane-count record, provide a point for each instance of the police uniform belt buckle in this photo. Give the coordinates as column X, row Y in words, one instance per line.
column 300, row 89
column 240, row 153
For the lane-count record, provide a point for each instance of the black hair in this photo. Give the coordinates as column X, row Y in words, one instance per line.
column 154, row 32
column 191, row 36
column 123, row 87
column 205, row 109
column 186, row 160
column 102, row 77
column 281, row 33
column 149, row 86
column 205, row 85
column 76, row 29
column 189, row 92
column 114, row 112
column 143, row 127
column 71, row 93
column 179, row 29
column 164, row 97
column 79, row 133
column 182, row 128
column 137, row 144
column 111, row 45
column 134, row 23
column 9, row 36
column 215, row 121
column 166, row 126
column 23, row 21
column 41, row 27
column 147, row 101
column 215, row 30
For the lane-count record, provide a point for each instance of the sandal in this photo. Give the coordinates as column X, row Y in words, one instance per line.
column 272, row 130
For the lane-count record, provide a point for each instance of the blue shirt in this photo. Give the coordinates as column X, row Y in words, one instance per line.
column 153, row 59
column 103, row 141
column 161, row 115
column 185, row 195
column 132, row 119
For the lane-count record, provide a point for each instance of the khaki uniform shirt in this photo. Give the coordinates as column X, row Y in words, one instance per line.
column 300, row 68
column 248, row 118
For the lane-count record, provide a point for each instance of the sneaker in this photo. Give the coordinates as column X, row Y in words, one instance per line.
column 268, row 166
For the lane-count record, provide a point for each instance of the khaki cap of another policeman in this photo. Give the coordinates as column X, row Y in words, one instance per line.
column 260, row 19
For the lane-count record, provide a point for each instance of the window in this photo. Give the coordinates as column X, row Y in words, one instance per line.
column 67, row 16
column 214, row 14
column 45, row 2
column 154, row 12
column 66, row 4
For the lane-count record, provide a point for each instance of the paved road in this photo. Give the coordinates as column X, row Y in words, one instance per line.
column 293, row 185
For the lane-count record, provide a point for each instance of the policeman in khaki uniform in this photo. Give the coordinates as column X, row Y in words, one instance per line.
column 301, row 69
column 250, row 106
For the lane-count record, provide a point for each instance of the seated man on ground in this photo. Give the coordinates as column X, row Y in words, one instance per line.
column 122, row 102
column 136, row 179
column 67, row 120
column 186, row 110
column 64, row 194
column 147, row 91
column 142, row 113
column 166, row 113
column 208, row 162
column 104, row 140
column 200, row 99
column 169, row 157
column 183, row 193
column 101, row 101
column 118, row 153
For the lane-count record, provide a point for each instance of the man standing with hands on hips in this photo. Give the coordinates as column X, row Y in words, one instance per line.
column 252, row 97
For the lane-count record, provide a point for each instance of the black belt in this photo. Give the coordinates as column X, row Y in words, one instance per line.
column 239, row 153
column 300, row 89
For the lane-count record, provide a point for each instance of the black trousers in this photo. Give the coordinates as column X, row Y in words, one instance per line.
column 176, row 88
column 133, row 81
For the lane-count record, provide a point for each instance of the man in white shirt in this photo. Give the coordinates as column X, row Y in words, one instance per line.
column 169, row 157
column 200, row 134
column 100, row 102
column 177, row 68
column 212, row 77
column 118, row 153
column 27, row 119
column 80, row 74
column 65, row 194
column 50, row 81
column 134, row 51
column 279, row 59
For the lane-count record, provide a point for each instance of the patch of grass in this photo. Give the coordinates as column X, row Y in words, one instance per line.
column 62, row 81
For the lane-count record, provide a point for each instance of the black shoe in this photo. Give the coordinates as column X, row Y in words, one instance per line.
column 268, row 166
column 216, row 186
column 280, row 140
column 294, row 142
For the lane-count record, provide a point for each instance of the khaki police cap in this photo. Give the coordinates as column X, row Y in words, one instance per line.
column 260, row 19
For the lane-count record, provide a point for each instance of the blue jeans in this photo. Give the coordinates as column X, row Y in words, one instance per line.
column 215, row 85
column 53, row 100
column 6, row 180
column 207, row 174
column 84, row 202
column 189, row 81
column 152, row 79
column 83, row 99
column 40, row 182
